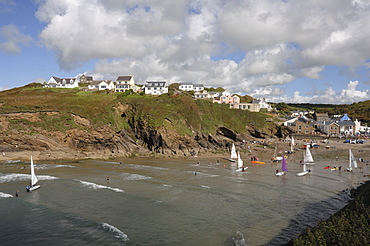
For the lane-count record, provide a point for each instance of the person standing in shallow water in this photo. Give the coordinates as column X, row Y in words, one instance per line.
column 108, row 179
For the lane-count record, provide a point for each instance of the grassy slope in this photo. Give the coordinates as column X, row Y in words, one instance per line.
column 184, row 114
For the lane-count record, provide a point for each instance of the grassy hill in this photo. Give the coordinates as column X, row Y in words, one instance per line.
column 161, row 120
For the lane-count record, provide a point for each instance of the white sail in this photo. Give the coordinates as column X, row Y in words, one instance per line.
column 308, row 156
column 292, row 145
column 233, row 152
column 352, row 161
column 34, row 179
column 240, row 161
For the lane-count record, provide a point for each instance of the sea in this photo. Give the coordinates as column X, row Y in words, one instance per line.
column 188, row 201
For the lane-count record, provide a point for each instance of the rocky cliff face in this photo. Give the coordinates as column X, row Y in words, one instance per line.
column 85, row 141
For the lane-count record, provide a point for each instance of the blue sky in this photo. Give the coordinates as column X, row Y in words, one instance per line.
column 286, row 51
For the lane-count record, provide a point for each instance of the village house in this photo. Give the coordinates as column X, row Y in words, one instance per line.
column 202, row 95
column 101, row 85
column 55, row 82
column 86, row 79
column 189, row 86
column 155, row 87
column 302, row 125
column 253, row 107
column 227, row 98
column 263, row 104
column 125, row 83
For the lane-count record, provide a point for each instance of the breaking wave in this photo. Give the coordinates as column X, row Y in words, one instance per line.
column 118, row 234
column 134, row 177
column 97, row 186
column 22, row 177
column 5, row 195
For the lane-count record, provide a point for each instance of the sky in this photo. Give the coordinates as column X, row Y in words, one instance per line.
column 292, row 51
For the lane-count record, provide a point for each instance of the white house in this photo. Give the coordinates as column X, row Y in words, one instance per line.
column 125, row 83
column 155, row 87
column 263, row 104
column 189, row 86
column 101, row 85
column 55, row 82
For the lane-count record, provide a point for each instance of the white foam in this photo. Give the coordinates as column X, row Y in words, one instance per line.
column 146, row 167
column 22, row 177
column 12, row 161
column 5, row 195
column 50, row 166
column 205, row 186
column 119, row 234
column 134, row 177
column 97, row 186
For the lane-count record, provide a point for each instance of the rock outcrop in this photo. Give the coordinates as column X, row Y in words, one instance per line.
column 84, row 141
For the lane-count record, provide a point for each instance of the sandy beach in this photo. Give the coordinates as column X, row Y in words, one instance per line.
column 333, row 149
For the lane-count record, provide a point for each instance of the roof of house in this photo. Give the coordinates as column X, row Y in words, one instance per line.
column 124, row 78
column 198, row 85
column 153, row 83
column 68, row 80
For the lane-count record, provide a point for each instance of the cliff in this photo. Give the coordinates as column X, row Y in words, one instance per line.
column 61, row 123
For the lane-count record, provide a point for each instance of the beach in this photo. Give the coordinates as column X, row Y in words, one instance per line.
column 174, row 201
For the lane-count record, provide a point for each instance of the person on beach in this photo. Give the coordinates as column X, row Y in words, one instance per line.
column 108, row 179
column 16, row 193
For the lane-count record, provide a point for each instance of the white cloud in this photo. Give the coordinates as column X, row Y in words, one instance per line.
column 277, row 41
column 327, row 96
column 13, row 39
column 6, row 6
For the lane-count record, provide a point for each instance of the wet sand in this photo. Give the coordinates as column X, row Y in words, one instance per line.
column 332, row 150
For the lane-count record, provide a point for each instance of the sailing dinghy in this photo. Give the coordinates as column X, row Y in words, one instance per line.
column 284, row 168
column 233, row 154
column 304, row 171
column 307, row 157
column 352, row 161
column 240, row 163
column 34, row 178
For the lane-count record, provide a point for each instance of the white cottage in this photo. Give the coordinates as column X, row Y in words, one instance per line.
column 55, row 82
column 155, row 87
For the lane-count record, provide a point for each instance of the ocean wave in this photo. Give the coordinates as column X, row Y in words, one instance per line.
column 97, row 186
column 118, row 234
column 50, row 166
column 22, row 177
column 12, row 161
column 5, row 195
column 134, row 177
column 146, row 167
column 205, row 186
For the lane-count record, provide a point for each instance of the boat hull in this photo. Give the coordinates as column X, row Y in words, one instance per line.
column 257, row 162
column 34, row 187
column 302, row 174
column 280, row 173
column 241, row 169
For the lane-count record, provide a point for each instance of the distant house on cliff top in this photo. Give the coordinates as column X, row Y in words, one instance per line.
column 55, row 82
column 86, row 79
column 189, row 86
column 155, row 87
column 125, row 83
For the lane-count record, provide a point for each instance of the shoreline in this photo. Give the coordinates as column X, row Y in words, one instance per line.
column 333, row 150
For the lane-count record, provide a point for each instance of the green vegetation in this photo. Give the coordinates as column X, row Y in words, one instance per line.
column 350, row 226
column 181, row 113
